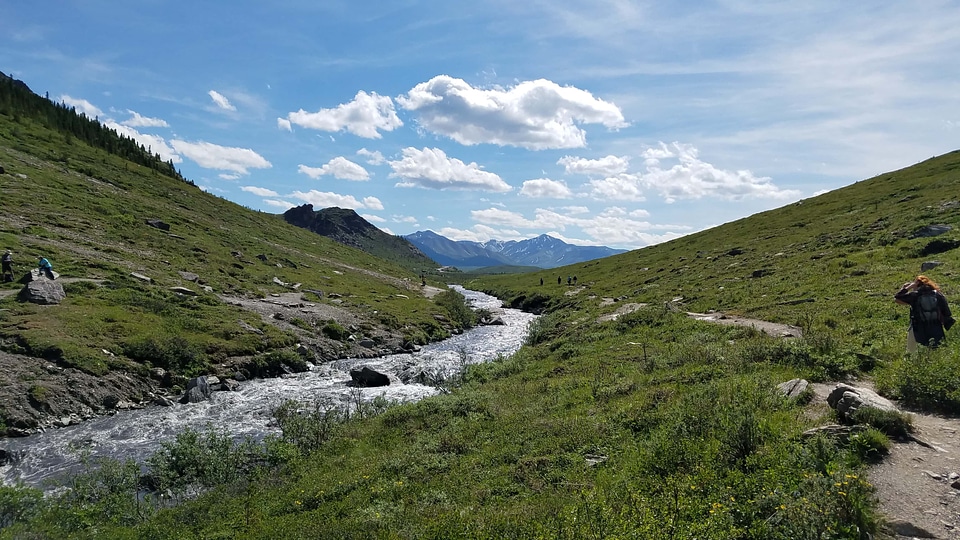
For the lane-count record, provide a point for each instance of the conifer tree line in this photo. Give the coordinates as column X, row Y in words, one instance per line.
column 18, row 101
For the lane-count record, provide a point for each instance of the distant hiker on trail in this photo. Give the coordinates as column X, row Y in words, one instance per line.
column 558, row 280
column 569, row 279
column 574, row 280
column 423, row 280
column 541, row 282
column 45, row 267
column 7, row 266
column 929, row 313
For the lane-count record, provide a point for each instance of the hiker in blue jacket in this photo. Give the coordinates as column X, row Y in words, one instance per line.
column 929, row 312
column 45, row 267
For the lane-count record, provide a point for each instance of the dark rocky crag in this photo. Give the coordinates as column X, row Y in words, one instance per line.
column 348, row 228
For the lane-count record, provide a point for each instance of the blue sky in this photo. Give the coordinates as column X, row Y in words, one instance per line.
column 599, row 122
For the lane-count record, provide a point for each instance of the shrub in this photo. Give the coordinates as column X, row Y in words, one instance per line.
column 19, row 504
column 334, row 331
column 456, row 306
column 308, row 427
column 173, row 353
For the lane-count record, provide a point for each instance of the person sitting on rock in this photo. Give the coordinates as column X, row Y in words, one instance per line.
column 45, row 267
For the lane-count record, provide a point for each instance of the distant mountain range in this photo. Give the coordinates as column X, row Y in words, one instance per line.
column 426, row 249
column 543, row 251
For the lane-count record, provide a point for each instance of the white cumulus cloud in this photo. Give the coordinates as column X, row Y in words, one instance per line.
column 326, row 199
column 221, row 100
column 373, row 157
column 364, row 117
column 338, row 167
column 543, row 188
column 82, row 106
column 224, row 158
column 535, row 115
column 154, row 143
column 259, row 191
column 284, row 124
column 606, row 166
column 136, row 120
column 431, row 168
column 685, row 176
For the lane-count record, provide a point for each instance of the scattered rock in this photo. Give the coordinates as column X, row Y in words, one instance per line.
column 262, row 257
column 367, row 377
column 197, row 390
column 847, row 400
column 141, row 277
column 156, row 223
column 734, row 252
column 793, row 388
column 189, row 276
column 368, row 343
column 42, row 291
column 905, row 528
column 929, row 265
column 246, row 326
column 834, row 431
column 184, row 291
column 931, row 231
column 279, row 282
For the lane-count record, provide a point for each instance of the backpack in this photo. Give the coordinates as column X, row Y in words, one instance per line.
column 927, row 308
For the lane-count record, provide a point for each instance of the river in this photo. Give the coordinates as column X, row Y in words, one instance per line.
column 42, row 460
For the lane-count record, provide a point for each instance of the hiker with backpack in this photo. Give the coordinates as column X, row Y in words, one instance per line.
column 929, row 313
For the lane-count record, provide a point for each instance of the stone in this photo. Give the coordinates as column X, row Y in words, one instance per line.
column 368, row 343
column 184, row 291
column 141, row 277
column 793, row 388
column 931, row 230
column 834, row 431
column 279, row 282
column 367, row 377
column 189, row 276
column 197, row 390
column 847, row 400
column 262, row 257
column 905, row 528
column 42, row 291
column 163, row 401
column 929, row 265
column 158, row 224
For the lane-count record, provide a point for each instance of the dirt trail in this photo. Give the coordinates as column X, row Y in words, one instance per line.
column 913, row 482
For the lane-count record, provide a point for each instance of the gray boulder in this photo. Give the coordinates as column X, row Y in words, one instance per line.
column 929, row 265
column 158, row 224
column 197, row 390
column 367, row 377
column 793, row 388
column 42, row 291
column 847, row 400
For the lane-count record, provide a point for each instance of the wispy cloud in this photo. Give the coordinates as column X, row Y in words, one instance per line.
column 221, row 101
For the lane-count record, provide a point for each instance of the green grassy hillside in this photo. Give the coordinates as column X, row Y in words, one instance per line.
column 835, row 259
column 87, row 209
column 648, row 425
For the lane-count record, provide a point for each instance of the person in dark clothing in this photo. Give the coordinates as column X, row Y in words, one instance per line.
column 7, row 266
column 929, row 312
column 45, row 267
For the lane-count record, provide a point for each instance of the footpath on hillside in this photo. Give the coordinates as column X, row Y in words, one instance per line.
column 917, row 483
